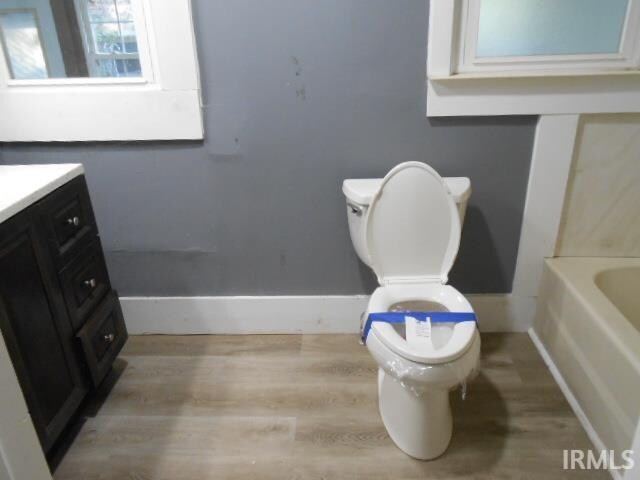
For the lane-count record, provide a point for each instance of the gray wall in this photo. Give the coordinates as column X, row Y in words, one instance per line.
column 299, row 94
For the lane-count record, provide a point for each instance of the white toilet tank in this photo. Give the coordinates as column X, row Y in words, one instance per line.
column 360, row 191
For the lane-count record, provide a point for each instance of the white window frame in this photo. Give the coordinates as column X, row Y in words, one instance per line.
column 628, row 56
column 163, row 104
column 523, row 86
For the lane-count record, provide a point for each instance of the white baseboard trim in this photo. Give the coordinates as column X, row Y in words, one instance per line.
column 291, row 314
column 243, row 315
column 598, row 444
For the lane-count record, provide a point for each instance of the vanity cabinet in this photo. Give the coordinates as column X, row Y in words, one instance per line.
column 59, row 316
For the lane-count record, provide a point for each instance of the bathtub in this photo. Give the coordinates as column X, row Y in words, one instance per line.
column 588, row 324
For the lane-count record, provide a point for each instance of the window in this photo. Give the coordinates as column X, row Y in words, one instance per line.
column 90, row 70
column 547, row 34
column 20, row 38
column 110, row 37
column 521, row 57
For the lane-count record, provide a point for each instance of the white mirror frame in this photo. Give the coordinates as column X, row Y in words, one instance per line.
column 164, row 104
column 554, row 89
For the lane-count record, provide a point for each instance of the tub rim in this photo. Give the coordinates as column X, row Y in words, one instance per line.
column 578, row 273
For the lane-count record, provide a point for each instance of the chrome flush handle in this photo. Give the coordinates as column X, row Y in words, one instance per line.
column 355, row 209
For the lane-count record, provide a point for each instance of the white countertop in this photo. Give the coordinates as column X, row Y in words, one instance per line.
column 22, row 185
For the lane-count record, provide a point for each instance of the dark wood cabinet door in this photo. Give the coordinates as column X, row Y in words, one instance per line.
column 37, row 330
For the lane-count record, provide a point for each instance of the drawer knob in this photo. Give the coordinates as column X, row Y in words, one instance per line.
column 109, row 338
column 75, row 221
column 91, row 283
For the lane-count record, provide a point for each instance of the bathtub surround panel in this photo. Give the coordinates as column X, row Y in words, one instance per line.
column 601, row 216
column 636, row 452
column 587, row 337
column 298, row 95
column 598, row 444
column 620, row 286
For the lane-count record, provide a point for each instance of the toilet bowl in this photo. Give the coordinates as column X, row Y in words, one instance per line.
column 408, row 231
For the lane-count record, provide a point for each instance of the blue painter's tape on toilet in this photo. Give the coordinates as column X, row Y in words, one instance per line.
column 399, row 317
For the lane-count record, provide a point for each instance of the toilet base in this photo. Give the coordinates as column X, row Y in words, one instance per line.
column 419, row 423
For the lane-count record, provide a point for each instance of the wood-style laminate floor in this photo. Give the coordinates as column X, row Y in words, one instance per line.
column 305, row 407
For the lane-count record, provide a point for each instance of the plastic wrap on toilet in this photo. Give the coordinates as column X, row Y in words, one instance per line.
column 419, row 378
column 408, row 374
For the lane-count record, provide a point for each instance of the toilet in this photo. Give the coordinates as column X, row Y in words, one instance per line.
column 407, row 228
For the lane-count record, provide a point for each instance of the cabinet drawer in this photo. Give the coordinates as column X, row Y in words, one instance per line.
column 102, row 337
column 67, row 220
column 85, row 282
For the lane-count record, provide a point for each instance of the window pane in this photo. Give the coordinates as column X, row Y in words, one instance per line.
column 133, row 68
column 118, row 67
column 101, row 10
column 129, row 37
column 550, row 27
column 106, row 68
column 106, row 38
column 125, row 11
column 22, row 45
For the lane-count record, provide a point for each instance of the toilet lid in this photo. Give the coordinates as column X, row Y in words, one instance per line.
column 413, row 226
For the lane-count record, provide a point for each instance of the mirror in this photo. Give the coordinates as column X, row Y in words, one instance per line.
column 69, row 38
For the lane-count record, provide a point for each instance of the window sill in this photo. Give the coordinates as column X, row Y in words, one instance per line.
column 533, row 93
column 99, row 113
column 64, row 82
column 532, row 74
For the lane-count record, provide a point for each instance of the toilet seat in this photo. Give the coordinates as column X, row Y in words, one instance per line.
column 413, row 235
column 447, row 296
column 412, row 227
